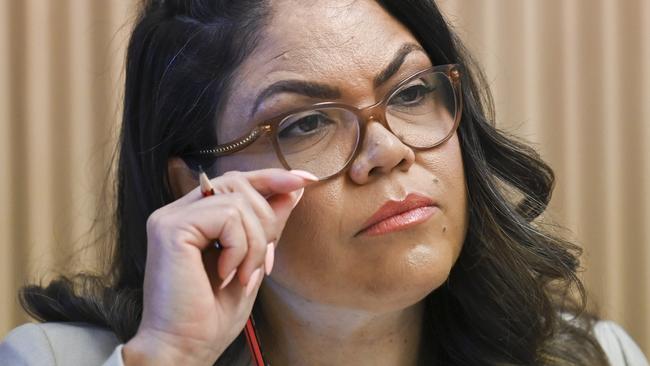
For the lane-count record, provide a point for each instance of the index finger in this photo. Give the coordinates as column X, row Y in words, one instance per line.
column 266, row 181
column 269, row 184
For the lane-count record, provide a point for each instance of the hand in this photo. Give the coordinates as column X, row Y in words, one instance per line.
column 192, row 307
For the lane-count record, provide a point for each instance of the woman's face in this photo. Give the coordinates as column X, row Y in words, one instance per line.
column 344, row 45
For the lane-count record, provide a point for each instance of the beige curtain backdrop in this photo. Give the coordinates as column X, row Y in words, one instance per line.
column 571, row 76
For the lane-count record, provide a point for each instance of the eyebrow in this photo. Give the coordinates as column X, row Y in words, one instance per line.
column 397, row 62
column 309, row 88
column 318, row 90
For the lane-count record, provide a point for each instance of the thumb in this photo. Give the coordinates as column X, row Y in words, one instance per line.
column 284, row 203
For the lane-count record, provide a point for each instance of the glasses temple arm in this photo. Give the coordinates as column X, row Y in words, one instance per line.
column 232, row 146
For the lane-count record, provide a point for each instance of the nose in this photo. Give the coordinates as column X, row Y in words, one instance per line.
column 380, row 152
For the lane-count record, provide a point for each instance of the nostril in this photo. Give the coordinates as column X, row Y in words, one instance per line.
column 403, row 164
column 373, row 171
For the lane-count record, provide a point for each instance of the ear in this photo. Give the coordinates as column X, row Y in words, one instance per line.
column 181, row 178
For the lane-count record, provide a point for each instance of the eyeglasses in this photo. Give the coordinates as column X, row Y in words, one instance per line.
column 423, row 111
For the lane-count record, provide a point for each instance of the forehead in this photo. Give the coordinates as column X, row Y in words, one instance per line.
column 325, row 38
column 342, row 43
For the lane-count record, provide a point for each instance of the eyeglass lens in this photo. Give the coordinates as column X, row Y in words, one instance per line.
column 421, row 113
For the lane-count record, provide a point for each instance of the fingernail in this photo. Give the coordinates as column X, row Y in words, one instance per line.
column 252, row 281
column 300, row 193
column 268, row 261
column 227, row 280
column 305, row 175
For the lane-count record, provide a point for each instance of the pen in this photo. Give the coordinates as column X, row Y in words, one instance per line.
column 251, row 334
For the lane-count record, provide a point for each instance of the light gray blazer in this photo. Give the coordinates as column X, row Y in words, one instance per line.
column 76, row 344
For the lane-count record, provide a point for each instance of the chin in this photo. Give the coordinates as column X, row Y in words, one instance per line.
column 394, row 299
column 406, row 280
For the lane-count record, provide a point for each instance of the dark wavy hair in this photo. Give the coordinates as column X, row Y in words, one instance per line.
column 512, row 298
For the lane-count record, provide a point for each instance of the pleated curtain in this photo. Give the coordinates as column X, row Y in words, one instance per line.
column 570, row 76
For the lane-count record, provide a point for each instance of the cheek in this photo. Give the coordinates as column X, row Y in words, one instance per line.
column 316, row 261
column 308, row 257
column 446, row 166
column 447, row 176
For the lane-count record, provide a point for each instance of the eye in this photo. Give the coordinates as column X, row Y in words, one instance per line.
column 300, row 126
column 411, row 95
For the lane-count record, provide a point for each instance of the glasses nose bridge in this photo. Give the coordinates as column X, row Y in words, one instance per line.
column 375, row 112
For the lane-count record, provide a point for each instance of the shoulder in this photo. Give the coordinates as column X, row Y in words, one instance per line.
column 60, row 344
column 617, row 344
column 619, row 347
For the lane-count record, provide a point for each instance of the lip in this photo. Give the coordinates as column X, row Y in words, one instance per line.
column 414, row 209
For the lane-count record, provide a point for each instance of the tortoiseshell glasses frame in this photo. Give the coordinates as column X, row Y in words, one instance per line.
column 377, row 112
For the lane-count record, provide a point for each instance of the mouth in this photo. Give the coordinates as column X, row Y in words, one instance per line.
column 395, row 216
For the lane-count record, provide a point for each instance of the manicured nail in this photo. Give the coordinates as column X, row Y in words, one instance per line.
column 305, row 175
column 252, row 281
column 227, row 280
column 300, row 193
column 270, row 256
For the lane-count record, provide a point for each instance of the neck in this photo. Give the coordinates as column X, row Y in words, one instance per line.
column 295, row 331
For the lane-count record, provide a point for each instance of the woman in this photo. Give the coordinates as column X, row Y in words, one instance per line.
column 352, row 156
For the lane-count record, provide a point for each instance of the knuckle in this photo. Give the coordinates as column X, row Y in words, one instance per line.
column 158, row 226
column 230, row 213
column 176, row 237
column 237, row 196
column 231, row 173
column 238, row 199
column 238, row 180
column 154, row 220
column 241, row 179
column 232, row 179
